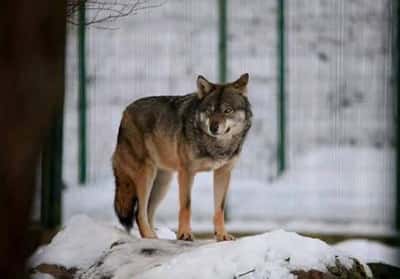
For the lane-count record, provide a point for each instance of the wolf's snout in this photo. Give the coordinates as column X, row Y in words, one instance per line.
column 214, row 127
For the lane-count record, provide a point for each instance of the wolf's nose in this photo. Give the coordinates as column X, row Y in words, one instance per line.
column 214, row 127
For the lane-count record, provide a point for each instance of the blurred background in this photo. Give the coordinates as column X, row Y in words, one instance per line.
column 320, row 158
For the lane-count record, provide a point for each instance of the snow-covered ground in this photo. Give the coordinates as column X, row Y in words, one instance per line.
column 96, row 250
column 342, row 190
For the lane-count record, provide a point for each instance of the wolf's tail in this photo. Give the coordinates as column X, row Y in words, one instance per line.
column 125, row 203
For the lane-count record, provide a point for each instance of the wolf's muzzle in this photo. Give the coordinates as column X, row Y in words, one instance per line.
column 214, row 127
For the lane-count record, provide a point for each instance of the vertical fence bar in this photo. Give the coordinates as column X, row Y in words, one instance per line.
column 222, row 57
column 396, row 70
column 82, row 103
column 281, row 150
column 51, row 175
column 222, row 41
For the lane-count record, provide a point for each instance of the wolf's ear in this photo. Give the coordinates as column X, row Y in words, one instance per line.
column 204, row 87
column 241, row 83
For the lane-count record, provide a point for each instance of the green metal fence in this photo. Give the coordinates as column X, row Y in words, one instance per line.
column 298, row 53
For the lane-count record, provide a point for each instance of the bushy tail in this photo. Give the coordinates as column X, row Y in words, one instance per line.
column 125, row 203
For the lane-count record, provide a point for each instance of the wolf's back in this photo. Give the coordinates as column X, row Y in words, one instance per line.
column 164, row 113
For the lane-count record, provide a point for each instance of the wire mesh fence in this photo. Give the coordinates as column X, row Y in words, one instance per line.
column 340, row 112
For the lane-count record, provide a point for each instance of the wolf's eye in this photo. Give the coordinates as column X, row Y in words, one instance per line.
column 228, row 110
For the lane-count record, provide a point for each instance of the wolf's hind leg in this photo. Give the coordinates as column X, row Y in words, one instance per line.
column 144, row 181
column 160, row 188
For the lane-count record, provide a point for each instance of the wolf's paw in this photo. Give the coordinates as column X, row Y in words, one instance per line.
column 187, row 236
column 151, row 235
column 224, row 236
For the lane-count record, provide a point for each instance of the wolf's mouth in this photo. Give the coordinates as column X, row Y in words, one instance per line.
column 217, row 135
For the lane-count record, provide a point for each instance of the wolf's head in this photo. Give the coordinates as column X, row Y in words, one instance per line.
column 224, row 110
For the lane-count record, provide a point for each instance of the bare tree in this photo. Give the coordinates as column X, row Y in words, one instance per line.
column 101, row 11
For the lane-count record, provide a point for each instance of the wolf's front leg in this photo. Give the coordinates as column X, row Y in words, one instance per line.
column 221, row 184
column 185, row 179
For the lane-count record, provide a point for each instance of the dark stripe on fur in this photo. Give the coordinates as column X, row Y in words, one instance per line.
column 188, row 203
column 223, row 202
column 119, row 138
column 219, row 97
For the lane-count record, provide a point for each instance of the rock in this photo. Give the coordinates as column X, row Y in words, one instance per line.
column 88, row 250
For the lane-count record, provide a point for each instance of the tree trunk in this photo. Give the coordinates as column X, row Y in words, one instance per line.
column 32, row 46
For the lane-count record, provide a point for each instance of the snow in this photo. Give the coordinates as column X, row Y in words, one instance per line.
column 96, row 248
column 337, row 185
column 39, row 275
column 370, row 251
column 82, row 240
column 165, row 233
column 326, row 190
column 270, row 255
column 78, row 244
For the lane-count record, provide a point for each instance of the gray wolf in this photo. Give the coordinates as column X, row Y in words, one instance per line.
column 160, row 135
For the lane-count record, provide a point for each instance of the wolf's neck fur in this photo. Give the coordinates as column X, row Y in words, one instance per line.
column 208, row 146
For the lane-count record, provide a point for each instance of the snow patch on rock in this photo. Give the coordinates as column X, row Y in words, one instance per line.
column 370, row 251
column 78, row 244
column 270, row 255
column 96, row 250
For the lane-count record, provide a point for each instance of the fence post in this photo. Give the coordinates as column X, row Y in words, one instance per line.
column 82, row 103
column 281, row 100
column 51, row 174
column 222, row 59
column 222, row 41
column 396, row 69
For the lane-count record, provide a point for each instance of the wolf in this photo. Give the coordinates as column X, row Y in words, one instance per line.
column 160, row 135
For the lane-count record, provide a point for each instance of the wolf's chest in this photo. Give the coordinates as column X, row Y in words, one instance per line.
column 212, row 155
column 208, row 164
column 216, row 164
